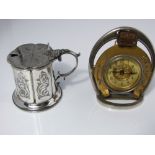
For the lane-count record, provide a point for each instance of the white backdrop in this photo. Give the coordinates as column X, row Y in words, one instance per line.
column 78, row 112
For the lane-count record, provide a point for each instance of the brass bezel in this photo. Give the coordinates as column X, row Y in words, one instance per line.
column 121, row 89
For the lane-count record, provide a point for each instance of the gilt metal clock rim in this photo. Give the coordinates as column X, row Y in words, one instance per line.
column 129, row 90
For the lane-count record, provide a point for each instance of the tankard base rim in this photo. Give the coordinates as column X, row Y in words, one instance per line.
column 43, row 106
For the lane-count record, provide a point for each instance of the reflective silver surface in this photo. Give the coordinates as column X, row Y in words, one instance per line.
column 36, row 85
column 37, row 107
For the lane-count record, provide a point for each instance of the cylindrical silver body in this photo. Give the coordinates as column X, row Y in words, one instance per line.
column 36, row 87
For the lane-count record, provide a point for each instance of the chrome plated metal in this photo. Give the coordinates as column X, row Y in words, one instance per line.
column 109, row 36
column 36, row 86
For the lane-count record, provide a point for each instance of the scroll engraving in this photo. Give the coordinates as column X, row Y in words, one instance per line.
column 22, row 86
column 43, row 83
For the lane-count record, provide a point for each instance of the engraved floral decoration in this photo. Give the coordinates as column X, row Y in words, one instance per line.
column 22, row 86
column 43, row 83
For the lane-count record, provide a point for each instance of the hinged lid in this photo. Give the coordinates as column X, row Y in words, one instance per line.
column 29, row 56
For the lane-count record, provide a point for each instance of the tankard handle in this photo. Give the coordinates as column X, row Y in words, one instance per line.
column 59, row 53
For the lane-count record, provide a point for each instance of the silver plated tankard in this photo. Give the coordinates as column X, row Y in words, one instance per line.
column 36, row 85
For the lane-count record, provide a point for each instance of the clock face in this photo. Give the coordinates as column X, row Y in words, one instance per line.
column 122, row 73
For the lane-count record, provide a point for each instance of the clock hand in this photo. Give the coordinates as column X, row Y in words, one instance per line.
column 124, row 72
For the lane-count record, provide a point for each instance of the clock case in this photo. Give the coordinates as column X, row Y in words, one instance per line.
column 126, row 38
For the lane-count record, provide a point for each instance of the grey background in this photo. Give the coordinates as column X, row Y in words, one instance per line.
column 78, row 112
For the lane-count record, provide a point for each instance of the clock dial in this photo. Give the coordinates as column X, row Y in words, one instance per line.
column 122, row 73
